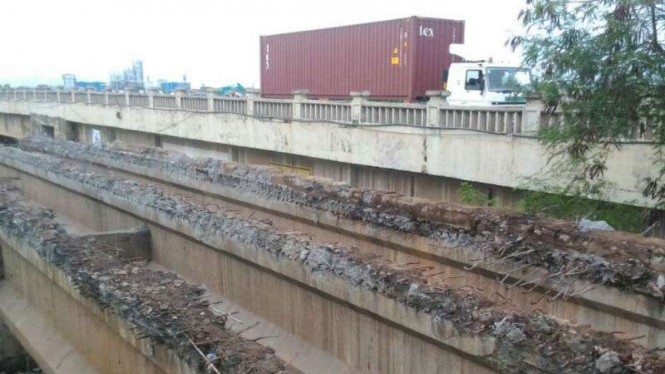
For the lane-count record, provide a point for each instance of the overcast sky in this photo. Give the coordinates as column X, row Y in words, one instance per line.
column 212, row 41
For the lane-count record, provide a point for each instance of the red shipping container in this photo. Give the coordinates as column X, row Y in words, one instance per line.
column 398, row 59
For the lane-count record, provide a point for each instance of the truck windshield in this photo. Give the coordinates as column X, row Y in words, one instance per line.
column 507, row 80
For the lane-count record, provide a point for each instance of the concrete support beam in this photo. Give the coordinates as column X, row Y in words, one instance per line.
column 129, row 243
column 488, row 158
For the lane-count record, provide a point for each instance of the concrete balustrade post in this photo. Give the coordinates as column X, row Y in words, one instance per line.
column 211, row 100
column 250, row 97
column 127, row 98
column 299, row 96
column 73, row 98
column 89, row 96
column 531, row 114
column 57, row 95
column 34, row 95
column 151, row 98
column 358, row 98
column 437, row 100
column 106, row 98
column 178, row 98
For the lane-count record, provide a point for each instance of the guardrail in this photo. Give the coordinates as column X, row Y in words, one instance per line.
column 436, row 113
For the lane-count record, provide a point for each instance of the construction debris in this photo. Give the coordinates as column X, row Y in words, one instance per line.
column 524, row 342
column 625, row 261
column 161, row 306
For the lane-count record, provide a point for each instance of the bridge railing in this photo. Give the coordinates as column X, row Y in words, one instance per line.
column 436, row 113
column 81, row 97
column 139, row 100
column 273, row 108
column 325, row 111
column 229, row 105
column 504, row 120
column 199, row 104
column 97, row 98
column 393, row 114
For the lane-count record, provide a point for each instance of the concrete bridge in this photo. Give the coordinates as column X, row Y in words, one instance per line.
column 125, row 259
column 417, row 150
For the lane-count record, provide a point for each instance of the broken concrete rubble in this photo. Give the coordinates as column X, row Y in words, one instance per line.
column 524, row 342
column 620, row 260
column 162, row 307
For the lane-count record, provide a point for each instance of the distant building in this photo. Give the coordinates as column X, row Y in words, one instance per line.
column 130, row 79
column 69, row 81
column 94, row 85
column 172, row 86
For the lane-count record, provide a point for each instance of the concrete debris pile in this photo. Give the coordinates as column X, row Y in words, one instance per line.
column 161, row 306
column 522, row 342
column 625, row 261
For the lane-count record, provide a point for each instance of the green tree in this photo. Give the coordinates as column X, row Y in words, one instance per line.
column 471, row 195
column 602, row 65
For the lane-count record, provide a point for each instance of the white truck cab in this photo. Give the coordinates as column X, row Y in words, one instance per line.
column 485, row 83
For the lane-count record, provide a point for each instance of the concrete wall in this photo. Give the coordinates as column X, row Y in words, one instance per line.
column 15, row 126
column 491, row 159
